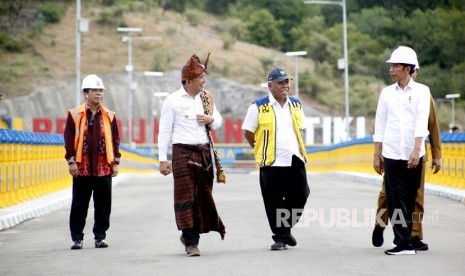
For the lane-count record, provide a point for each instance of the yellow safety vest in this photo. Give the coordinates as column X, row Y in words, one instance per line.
column 265, row 134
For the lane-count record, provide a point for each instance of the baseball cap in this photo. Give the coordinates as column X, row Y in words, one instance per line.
column 278, row 74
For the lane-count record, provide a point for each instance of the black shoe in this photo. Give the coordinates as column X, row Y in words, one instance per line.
column 291, row 241
column 418, row 244
column 101, row 244
column 401, row 250
column 183, row 241
column 278, row 246
column 377, row 237
column 77, row 245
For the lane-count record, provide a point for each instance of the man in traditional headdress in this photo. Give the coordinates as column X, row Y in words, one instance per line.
column 186, row 119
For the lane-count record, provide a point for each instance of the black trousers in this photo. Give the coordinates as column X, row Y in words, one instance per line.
column 191, row 236
column 284, row 189
column 401, row 190
column 83, row 187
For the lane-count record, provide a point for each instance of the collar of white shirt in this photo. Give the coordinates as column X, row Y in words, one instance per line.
column 273, row 100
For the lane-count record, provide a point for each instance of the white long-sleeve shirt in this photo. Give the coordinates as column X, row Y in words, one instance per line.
column 402, row 116
column 178, row 124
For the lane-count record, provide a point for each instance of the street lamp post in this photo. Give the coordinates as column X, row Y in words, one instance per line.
column 452, row 97
column 341, row 3
column 78, row 52
column 152, row 112
column 82, row 26
column 129, row 68
column 296, row 71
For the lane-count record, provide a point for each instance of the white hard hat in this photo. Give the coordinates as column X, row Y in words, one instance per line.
column 405, row 55
column 92, row 82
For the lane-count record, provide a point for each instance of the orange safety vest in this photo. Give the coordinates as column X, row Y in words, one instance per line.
column 79, row 116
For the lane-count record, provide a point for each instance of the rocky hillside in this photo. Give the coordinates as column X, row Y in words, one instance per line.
column 52, row 102
column 47, row 87
column 102, row 49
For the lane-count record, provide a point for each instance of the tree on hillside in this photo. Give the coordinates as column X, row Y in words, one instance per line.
column 407, row 5
column 219, row 7
column 181, row 5
column 264, row 29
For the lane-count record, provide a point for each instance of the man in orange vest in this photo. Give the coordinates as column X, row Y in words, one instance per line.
column 92, row 151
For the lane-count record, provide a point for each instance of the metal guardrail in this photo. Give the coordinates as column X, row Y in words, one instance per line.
column 32, row 164
column 357, row 156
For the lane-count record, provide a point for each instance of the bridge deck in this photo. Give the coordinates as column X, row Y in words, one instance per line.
column 334, row 237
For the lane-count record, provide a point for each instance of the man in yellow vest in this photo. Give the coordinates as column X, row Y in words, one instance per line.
column 92, row 151
column 273, row 128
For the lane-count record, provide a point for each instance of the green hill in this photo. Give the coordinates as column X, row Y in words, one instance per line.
column 51, row 53
column 37, row 45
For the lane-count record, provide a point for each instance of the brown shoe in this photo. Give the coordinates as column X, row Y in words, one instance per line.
column 192, row 251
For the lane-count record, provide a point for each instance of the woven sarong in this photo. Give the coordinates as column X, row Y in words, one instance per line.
column 194, row 206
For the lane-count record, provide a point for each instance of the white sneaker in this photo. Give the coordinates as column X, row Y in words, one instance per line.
column 401, row 250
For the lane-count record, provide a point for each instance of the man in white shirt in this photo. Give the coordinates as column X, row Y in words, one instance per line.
column 401, row 127
column 273, row 127
column 416, row 236
column 186, row 118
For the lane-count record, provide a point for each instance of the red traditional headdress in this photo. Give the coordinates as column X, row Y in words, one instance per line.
column 194, row 68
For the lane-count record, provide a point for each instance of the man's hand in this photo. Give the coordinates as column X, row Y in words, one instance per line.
column 204, row 119
column 165, row 167
column 73, row 169
column 115, row 170
column 414, row 159
column 250, row 137
column 436, row 165
column 378, row 164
